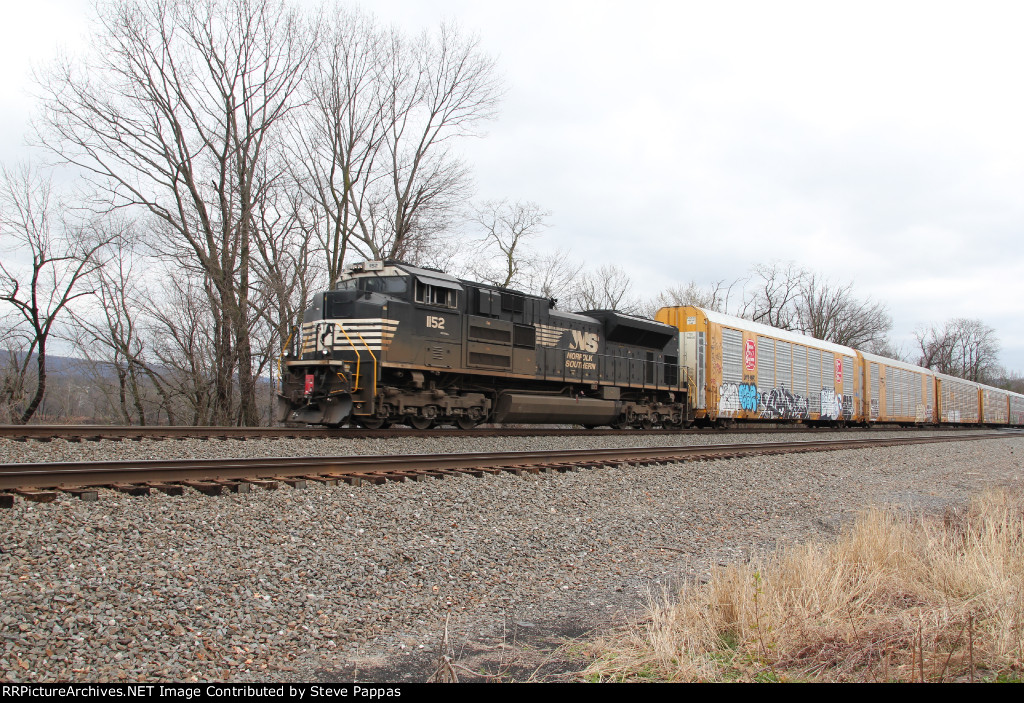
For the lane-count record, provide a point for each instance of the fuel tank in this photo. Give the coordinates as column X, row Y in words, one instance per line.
column 555, row 409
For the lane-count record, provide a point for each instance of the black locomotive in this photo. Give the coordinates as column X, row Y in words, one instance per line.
column 395, row 343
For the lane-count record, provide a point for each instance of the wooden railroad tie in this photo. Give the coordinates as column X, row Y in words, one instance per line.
column 89, row 495
column 232, row 486
column 326, row 480
column 171, row 489
column 265, row 483
column 36, row 495
column 132, row 489
column 209, row 488
column 6, row 500
column 374, row 478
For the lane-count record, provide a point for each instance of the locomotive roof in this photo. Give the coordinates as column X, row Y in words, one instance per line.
column 614, row 317
column 429, row 275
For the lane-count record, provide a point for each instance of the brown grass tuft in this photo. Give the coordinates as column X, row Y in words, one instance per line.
column 893, row 599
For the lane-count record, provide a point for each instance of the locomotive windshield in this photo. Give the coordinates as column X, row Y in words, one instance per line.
column 390, row 285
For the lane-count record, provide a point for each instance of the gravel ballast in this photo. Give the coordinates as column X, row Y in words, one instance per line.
column 336, row 582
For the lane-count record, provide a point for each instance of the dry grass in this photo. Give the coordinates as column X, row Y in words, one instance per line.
column 894, row 599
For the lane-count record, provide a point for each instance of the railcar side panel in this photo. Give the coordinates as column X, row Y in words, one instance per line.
column 995, row 406
column 899, row 392
column 959, row 400
column 746, row 371
column 1016, row 409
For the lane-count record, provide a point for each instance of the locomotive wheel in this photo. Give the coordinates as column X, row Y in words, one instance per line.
column 420, row 423
column 466, row 423
column 646, row 424
column 374, row 423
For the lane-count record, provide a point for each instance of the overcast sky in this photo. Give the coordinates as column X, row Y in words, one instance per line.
column 881, row 143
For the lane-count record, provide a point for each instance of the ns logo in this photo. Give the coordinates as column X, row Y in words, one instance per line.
column 584, row 341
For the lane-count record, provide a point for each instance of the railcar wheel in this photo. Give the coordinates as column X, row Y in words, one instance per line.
column 646, row 424
column 420, row 423
column 466, row 423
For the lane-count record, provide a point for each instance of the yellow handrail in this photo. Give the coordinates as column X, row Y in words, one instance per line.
column 359, row 357
column 374, row 357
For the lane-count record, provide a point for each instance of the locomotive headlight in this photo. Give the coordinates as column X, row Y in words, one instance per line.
column 325, row 352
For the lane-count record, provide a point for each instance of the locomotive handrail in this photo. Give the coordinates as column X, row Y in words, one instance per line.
column 359, row 357
column 374, row 357
column 359, row 360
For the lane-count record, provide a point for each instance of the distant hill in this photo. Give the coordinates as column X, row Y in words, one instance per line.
column 64, row 365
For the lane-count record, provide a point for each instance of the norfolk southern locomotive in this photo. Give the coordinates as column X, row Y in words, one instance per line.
column 394, row 343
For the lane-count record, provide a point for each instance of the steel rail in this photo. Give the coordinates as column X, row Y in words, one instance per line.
column 103, row 473
column 78, row 433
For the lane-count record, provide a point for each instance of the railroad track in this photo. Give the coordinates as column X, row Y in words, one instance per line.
column 96, row 433
column 43, row 481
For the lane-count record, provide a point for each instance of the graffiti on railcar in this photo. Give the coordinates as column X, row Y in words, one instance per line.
column 728, row 399
column 734, row 397
column 847, row 407
column 779, row 403
column 874, row 409
column 749, row 397
column 831, row 404
column 921, row 413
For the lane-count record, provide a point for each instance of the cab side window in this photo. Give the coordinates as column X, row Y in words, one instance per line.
column 436, row 295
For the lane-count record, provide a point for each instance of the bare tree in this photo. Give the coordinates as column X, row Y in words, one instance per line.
column 772, row 292
column 1010, row 380
column 503, row 256
column 375, row 147
column 553, row 274
column 46, row 261
column 607, row 288
column 110, row 335
column 287, row 270
column 790, row 297
column 172, row 113
column 436, row 89
column 885, row 346
column 716, row 296
column 14, row 368
column 337, row 140
column 961, row 347
column 831, row 312
column 178, row 326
